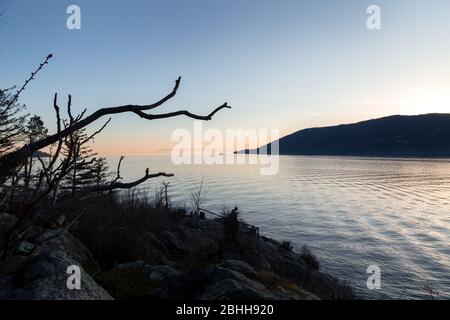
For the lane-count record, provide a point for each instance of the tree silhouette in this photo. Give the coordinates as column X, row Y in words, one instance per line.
column 11, row 122
column 80, row 173
column 34, row 131
column 11, row 160
column 72, row 163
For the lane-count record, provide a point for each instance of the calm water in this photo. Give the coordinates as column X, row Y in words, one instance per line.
column 352, row 212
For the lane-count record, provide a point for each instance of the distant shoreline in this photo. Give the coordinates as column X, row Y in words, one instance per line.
column 381, row 157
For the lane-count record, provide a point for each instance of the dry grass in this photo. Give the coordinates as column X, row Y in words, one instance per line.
column 112, row 228
column 309, row 258
column 272, row 281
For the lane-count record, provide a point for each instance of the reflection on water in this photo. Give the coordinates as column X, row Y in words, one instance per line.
column 352, row 212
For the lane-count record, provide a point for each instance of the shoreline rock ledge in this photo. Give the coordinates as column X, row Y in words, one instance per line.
column 37, row 269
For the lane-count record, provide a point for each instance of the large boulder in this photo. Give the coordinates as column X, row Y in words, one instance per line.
column 42, row 273
column 150, row 239
column 217, row 282
column 189, row 242
column 240, row 266
column 212, row 282
column 149, row 273
column 135, row 279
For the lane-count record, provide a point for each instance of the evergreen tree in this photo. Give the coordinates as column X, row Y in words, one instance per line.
column 11, row 122
column 81, row 172
column 101, row 172
column 93, row 175
column 34, row 131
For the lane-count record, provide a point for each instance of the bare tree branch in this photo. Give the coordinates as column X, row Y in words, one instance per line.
column 69, row 110
column 129, row 185
column 118, row 177
column 180, row 113
column 58, row 115
column 11, row 160
column 96, row 132
column 81, row 115
column 16, row 96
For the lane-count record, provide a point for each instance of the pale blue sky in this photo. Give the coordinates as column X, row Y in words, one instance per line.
column 280, row 64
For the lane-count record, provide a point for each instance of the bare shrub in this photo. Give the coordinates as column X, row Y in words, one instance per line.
column 158, row 198
column 286, row 244
column 197, row 196
column 309, row 258
column 112, row 228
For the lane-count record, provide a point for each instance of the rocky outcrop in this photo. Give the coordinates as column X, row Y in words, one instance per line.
column 225, row 282
column 200, row 263
column 290, row 265
column 239, row 266
column 189, row 241
column 189, row 260
column 41, row 273
column 147, row 273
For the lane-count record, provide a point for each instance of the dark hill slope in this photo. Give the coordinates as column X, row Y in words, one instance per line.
column 397, row 136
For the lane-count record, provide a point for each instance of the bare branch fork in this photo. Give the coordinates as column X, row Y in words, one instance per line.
column 118, row 177
column 115, row 184
column 121, row 185
column 11, row 160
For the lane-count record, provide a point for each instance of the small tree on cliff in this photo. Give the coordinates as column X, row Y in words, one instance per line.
column 81, row 172
column 34, row 131
column 100, row 172
column 11, row 122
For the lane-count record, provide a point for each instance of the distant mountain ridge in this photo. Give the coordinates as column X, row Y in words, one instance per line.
column 425, row 135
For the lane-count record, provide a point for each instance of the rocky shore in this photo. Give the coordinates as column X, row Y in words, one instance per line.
column 189, row 260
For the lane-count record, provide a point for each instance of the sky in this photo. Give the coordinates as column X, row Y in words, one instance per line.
column 284, row 65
